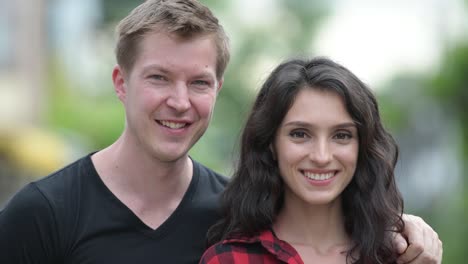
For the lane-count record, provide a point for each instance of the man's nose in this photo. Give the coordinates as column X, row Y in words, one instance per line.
column 179, row 98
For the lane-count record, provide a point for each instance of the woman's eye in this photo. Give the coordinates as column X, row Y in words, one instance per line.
column 298, row 134
column 343, row 136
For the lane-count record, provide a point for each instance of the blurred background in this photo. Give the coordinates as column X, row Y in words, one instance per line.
column 57, row 101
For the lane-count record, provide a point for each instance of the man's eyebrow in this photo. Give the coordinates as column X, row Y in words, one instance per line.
column 155, row 67
column 162, row 69
column 204, row 75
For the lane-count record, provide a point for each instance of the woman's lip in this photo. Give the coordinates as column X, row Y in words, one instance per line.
column 319, row 177
column 319, row 171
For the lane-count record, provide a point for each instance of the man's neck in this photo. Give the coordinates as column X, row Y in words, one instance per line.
column 150, row 188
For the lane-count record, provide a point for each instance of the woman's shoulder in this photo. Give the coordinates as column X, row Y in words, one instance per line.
column 243, row 250
column 215, row 253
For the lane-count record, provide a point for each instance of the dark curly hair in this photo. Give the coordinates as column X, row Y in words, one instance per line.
column 372, row 204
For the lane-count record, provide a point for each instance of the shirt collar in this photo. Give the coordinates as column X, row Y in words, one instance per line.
column 268, row 239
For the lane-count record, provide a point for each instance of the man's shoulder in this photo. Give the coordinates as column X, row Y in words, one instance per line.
column 56, row 182
column 210, row 177
column 67, row 176
column 63, row 188
column 59, row 193
column 46, row 210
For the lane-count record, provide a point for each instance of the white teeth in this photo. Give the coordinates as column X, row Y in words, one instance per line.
column 172, row 124
column 318, row 177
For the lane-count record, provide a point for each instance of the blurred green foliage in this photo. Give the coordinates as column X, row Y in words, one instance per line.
column 100, row 119
column 447, row 87
column 450, row 88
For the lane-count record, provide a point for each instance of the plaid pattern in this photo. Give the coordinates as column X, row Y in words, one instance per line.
column 263, row 249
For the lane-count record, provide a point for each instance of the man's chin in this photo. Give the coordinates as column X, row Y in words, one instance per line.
column 171, row 155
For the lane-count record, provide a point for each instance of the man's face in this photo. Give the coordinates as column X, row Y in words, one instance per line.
column 169, row 94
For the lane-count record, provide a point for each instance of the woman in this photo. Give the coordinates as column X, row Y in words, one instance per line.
column 315, row 180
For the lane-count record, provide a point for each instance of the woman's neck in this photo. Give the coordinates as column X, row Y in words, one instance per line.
column 320, row 227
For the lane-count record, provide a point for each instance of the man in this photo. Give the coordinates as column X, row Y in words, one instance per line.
column 143, row 199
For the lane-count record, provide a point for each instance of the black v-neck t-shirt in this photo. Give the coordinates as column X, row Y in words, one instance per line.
column 71, row 217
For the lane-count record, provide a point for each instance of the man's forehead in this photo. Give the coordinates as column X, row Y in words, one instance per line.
column 198, row 69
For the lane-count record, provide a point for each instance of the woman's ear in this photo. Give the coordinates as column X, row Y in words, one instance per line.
column 273, row 152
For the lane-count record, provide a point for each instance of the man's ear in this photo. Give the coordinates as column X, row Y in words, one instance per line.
column 120, row 86
column 220, row 85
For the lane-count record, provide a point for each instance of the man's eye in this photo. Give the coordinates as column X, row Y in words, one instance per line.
column 157, row 77
column 201, row 82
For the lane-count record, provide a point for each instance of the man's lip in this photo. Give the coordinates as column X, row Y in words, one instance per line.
column 174, row 120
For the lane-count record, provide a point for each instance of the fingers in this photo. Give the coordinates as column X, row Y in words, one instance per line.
column 399, row 243
column 411, row 254
column 427, row 257
column 432, row 249
column 414, row 234
column 424, row 245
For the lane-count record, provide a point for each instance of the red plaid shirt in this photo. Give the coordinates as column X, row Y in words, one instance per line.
column 263, row 249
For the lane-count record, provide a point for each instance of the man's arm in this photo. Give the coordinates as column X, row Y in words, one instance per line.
column 418, row 243
column 28, row 229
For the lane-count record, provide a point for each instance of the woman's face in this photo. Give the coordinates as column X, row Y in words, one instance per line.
column 316, row 147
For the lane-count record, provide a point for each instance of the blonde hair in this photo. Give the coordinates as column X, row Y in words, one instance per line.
column 185, row 18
